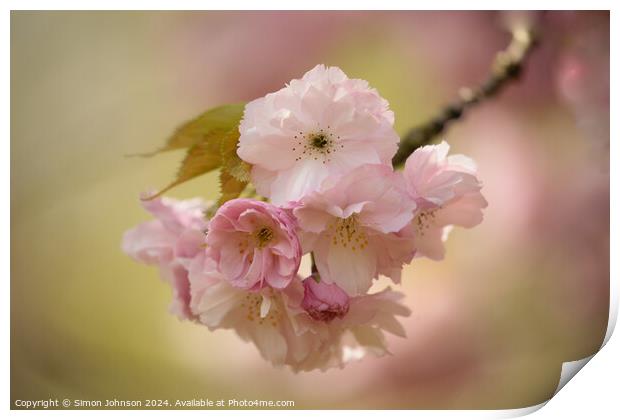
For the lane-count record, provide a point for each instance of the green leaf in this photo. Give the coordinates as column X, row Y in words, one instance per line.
column 200, row 159
column 230, row 187
column 235, row 173
column 211, row 140
column 231, row 162
column 238, row 169
column 220, row 119
column 205, row 137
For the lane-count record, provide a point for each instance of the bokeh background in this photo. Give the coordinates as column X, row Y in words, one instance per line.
column 525, row 291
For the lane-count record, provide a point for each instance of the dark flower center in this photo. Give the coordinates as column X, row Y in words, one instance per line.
column 317, row 145
column 319, row 141
column 263, row 236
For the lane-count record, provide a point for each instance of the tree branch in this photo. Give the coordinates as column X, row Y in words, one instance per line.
column 507, row 67
column 313, row 270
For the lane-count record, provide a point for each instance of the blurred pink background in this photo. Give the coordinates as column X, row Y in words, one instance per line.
column 515, row 297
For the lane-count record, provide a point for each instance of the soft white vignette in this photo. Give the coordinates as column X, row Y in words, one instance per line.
column 594, row 392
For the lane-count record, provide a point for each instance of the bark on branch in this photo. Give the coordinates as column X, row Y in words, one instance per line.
column 508, row 65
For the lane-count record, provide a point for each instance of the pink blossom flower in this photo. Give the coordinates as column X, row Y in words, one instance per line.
column 322, row 301
column 170, row 242
column 320, row 126
column 271, row 319
column 358, row 227
column 447, row 192
column 254, row 244
column 356, row 331
column 284, row 333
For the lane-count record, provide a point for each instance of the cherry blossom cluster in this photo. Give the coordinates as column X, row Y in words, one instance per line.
column 321, row 153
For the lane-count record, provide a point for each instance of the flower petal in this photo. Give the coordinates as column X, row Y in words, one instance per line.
column 352, row 270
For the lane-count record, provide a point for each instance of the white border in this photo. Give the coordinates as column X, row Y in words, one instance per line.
column 595, row 391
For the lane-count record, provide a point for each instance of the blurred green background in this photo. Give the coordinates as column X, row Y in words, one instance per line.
column 525, row 291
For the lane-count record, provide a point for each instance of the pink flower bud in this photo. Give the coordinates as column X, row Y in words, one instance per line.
column 323, row 301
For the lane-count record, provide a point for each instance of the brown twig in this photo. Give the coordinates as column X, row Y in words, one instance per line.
column 314, row 270
column 507, row 67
